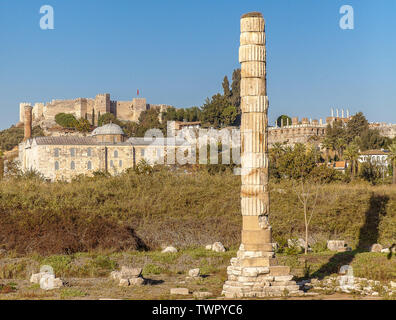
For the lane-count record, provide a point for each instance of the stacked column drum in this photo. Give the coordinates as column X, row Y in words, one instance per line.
column 254, row 272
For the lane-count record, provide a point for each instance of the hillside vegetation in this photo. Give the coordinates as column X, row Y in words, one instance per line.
column 11, row 137
column 144, row 211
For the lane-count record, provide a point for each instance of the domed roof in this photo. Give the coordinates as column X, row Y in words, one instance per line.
column 110, row 128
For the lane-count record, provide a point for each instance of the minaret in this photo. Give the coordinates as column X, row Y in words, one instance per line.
column 254, row 273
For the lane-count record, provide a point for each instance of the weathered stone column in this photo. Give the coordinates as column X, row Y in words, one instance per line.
column 254, row 272
column 28, row 123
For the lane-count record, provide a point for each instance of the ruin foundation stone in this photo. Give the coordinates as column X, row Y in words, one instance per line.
column 255, row 272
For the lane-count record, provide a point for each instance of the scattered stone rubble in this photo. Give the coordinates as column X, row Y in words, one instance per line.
column 193, row 274
column 217, row 247
column 376, row 248
column 128, row 276
column 346, row 282
column 338, row 245
column 47, row 280
column 254, row 281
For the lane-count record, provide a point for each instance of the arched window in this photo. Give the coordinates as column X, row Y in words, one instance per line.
column 115, row 154
column 72, row 165
column 89, row 165
column 89, row 152
column 56, row 152
column 142, row 152
column 56, row 165
column 120, row 163
column 111, row 164
column 72, row 152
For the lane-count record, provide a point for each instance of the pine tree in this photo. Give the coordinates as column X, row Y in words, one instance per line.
column 93, row 117
column 226, row 88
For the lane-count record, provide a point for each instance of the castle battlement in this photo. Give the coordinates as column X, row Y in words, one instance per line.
column 88, row 108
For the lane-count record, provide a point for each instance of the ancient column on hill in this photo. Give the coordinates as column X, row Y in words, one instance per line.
column 254, row 272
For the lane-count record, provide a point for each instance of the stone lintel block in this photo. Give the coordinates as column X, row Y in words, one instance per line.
column 253, row 87
column 255, row 254
column 250, row 24
column 263, row 247
column 179, row 291
column 265, row 278
column 254, row 104
column 256, row 236
column 252, row 38
column 252, row 53
column 283, row 283
column 283, row 278
column 279, row 271
column 254, row 271
column 246, row 279
column 253, row 69
column 257, row 262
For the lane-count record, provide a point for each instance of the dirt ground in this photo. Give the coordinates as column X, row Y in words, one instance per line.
column 158, row 288
column 86, row 275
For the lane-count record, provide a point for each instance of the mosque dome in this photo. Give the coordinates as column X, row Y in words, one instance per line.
column 108, row 129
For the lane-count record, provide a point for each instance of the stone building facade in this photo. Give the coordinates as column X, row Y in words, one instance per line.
column 106, row 149
column 44, row 113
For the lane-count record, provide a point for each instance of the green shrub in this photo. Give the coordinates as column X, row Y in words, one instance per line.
column 66, row 120
column 152, row 269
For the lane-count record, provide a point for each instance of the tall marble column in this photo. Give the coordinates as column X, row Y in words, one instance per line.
column 254, row 272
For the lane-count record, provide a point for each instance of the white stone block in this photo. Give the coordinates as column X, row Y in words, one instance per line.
column 49, row 282
column 169, row 249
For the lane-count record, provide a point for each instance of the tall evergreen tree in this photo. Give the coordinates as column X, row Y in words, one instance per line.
column 235, row 89
column 226, row 87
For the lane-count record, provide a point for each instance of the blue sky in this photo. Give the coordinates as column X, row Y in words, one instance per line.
column 178, row 51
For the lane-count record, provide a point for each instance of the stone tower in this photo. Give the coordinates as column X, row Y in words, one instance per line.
column 254, row 272
column 28, row 123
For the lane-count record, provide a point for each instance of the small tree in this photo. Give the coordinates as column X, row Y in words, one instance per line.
column 327, row 145
column 307, row 191
column 83, row 125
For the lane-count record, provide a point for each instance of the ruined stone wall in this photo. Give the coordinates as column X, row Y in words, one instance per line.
column 44, row 114
column 124, row 111
column 38, row 110
column 386, row 130
column 291, row 135
column 59, row 106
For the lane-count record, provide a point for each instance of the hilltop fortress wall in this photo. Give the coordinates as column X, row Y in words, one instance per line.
column 88, row 108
